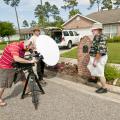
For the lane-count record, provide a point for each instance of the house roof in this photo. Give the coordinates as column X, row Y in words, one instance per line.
column 106, row 16
column 26, row 30
column 72, row 18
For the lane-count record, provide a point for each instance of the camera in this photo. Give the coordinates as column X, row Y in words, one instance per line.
column 26, row 66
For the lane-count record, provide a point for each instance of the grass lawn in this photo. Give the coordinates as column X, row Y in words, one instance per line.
column 2, row 46
column 113, row 52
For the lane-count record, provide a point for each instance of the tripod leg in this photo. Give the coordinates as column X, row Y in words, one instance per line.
column 22, row 96
column 40, row 87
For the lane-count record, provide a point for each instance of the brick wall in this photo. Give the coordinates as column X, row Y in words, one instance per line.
column 83, row 58
column 76, row 24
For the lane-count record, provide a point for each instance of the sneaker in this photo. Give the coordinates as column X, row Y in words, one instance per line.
column 98, row 89
column 102, row 90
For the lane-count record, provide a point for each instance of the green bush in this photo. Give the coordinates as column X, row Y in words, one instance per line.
column 111, row 73
column 114, row 39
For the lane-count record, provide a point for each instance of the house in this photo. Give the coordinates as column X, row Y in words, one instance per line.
column 26, row 33
column 110, row 20
column 82, row 24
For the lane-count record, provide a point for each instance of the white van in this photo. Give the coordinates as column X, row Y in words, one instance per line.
column 66, row 38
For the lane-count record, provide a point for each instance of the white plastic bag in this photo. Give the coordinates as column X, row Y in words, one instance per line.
column 97, row 71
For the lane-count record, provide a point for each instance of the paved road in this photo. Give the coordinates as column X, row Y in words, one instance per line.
column 63, row 100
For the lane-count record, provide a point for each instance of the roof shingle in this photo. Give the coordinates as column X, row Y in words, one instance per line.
column 106, row 16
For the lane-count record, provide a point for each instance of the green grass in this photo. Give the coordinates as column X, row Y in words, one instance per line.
column 2, row 46
column 70, row 54
column 113, row 52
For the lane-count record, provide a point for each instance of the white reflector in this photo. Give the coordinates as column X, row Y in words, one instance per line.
column 47, row 47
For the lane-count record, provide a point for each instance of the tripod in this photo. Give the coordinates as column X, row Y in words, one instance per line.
column 31, row 77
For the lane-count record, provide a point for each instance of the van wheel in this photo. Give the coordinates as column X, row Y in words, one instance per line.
column 69, row 46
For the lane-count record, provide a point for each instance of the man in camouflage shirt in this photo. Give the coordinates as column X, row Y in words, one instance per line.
column 98, row 56
column 99, row 45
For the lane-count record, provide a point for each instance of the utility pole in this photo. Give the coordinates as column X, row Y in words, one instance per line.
column 41, row 2
column 17, row 19
column 17, row 22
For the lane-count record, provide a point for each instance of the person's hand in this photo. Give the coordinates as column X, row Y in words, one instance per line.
column 97, row 58
column 33, row 61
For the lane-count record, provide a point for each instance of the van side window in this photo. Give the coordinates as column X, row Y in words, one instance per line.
column 76, row 34
column 71, row 33
column 66, row 33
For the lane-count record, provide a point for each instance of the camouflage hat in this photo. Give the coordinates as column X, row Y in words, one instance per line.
column 97, row 26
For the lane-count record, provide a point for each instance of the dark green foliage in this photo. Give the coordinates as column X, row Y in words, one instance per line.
column 25, row 23
column 74, row 12
column 44, row 12
column 114, row 39
column 12, row 2
column 111, row 73
column 6, row 29
column 106, row 4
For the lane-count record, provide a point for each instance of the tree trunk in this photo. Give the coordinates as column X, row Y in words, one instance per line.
column 8, row 39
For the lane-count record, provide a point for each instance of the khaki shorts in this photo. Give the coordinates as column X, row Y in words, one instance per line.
column 7, row 77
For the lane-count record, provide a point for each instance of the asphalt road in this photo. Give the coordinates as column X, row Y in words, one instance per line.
column 63, row 101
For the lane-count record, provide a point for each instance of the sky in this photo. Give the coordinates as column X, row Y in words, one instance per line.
column 26, row 10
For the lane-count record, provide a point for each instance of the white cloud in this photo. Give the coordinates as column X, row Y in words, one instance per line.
column 83, row 2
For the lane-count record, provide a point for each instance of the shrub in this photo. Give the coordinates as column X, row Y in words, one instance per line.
column 111, row 73
column 114, row 39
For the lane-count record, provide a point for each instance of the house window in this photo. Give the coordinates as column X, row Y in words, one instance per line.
column 110, row 30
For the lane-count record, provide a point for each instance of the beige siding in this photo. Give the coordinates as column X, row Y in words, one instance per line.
column 119, row 30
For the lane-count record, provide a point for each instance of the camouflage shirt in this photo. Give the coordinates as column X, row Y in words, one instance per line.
column 99, row 45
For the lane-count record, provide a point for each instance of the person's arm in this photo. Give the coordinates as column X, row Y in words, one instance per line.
column 16, row 57
column 98, row 55
column 21, row 60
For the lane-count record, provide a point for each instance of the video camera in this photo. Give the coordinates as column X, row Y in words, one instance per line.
column 26, row 66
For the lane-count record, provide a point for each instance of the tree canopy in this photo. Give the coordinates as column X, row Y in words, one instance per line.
column 6, row 29
column 12, row 2
column 105, row 4
column 25, row 23
column 45, row 12
column 74, row 12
